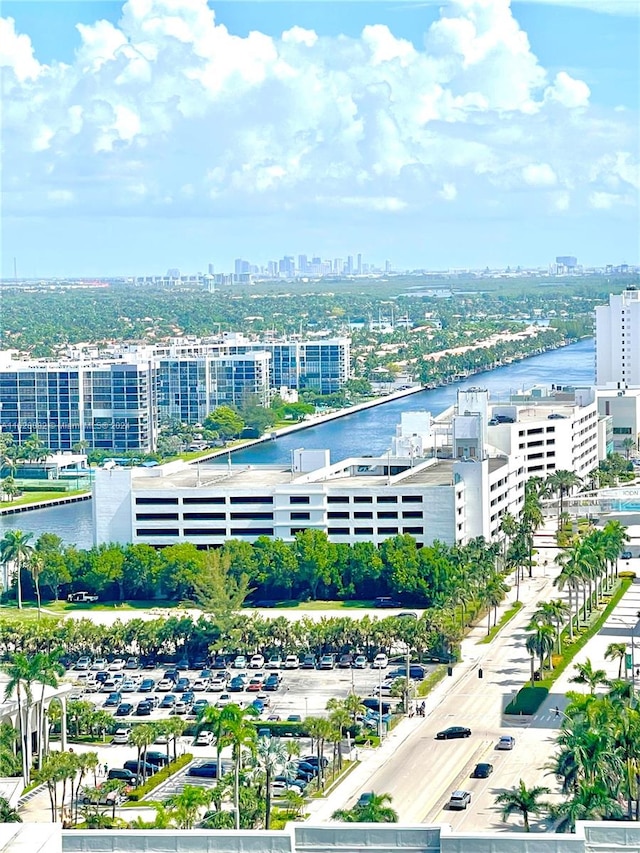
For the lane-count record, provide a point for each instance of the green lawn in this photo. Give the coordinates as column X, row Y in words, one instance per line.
column 325, row 605
column 61, row 607
column 506, row 617
column 37, row 497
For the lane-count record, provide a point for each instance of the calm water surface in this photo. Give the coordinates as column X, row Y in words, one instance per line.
column 369, row 431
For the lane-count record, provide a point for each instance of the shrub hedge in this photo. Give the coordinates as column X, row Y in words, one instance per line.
column 162, row 775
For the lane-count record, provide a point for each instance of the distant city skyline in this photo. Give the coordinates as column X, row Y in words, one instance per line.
column 143, row 136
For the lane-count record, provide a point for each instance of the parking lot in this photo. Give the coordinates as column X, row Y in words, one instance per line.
column 302, row 692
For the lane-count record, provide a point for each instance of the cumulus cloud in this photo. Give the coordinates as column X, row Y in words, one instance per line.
column 169, row 111
column 539, row 175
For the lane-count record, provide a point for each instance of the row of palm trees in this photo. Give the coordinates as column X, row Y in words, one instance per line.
column 588, row 570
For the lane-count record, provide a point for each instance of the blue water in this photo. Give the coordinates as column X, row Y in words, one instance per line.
column 369, row 431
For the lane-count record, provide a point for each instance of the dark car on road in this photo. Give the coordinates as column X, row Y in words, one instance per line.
column 124, row 709
column 123, row 775
column 453, row 732
column 482, row 771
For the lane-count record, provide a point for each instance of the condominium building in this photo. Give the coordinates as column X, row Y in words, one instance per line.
column 114, row 398
column 618, row 340
column 109, row 403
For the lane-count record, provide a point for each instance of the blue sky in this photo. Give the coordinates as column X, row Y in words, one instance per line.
column 152, row 134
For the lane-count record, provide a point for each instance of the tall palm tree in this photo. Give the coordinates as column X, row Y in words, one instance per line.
column 561, row 482
column 376, row 810
column 19, row 674
column 47, row 670
column 272, row 758
column 15, row 548
column 142, row 737
column 616, row 651
column 35, row 566
column 522, row 800
column 586, row 674
column 540, row 642
column 589, row 802
column 239, row 733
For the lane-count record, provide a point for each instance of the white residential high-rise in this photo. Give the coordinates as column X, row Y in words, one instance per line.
column 618, row 340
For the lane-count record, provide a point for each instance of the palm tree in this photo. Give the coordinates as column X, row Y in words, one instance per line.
column 616, row 651
column 540, row 642
column 589, row 802
column 522, row 800
column 15, row 548
column 35, row 566
column 142, row 737
column 19, row 674
column 376, row 810
column 273, row 758
column 241, row 735
column 46, row 669
column 187, row 804
column 629, row 444
column 588, row 675
column 561, row 482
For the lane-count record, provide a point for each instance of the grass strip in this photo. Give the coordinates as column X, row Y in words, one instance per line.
column 506, row 617
column 529, row 699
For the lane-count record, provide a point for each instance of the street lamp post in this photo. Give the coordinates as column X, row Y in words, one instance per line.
column 380, row 723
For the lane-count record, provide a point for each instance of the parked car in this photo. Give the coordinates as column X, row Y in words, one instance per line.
column 256, row 662
column 223, row 699
column 209, row 769
column 123, row 775
column 506, row 742
column 113, row 700
column 626, row 555
column 132, row 663
column 254, row 685
column 128, row 686
column 364, row 799
column 272, row 682
column 180, row 707
column 99, row 664
column 144, row 709
column 380, row 661
column 169, row 701
column 182, row 684
column 274, row 662
column 164, row 685
column 291, row 662
column 140, row 768
column 236, row 685
column 308, row 662
column 124, row 709
column 313, row 760
column 360, row 662
column 116, row 665
column 200, row 684
column 240, row 662
column 121, row 736
column 385, row 601
column 153, row 756
column 327, row 662
column 82, row 664
column 104, row 798
column 346, row 661
column 459, row 800
column 146, row 685
column 198, row 706
column 453, row 732
column 482, row 771
column 205, row 738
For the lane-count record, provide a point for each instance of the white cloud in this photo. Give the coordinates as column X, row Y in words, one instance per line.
column 567, row 91
column 16, row 52
column 448, row 192
column 539, row 175
column 602, row 200
column 60, row 196
column 168, row 110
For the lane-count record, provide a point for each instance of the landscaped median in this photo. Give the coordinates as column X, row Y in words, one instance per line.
column 158, row 778
column 528, row 698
